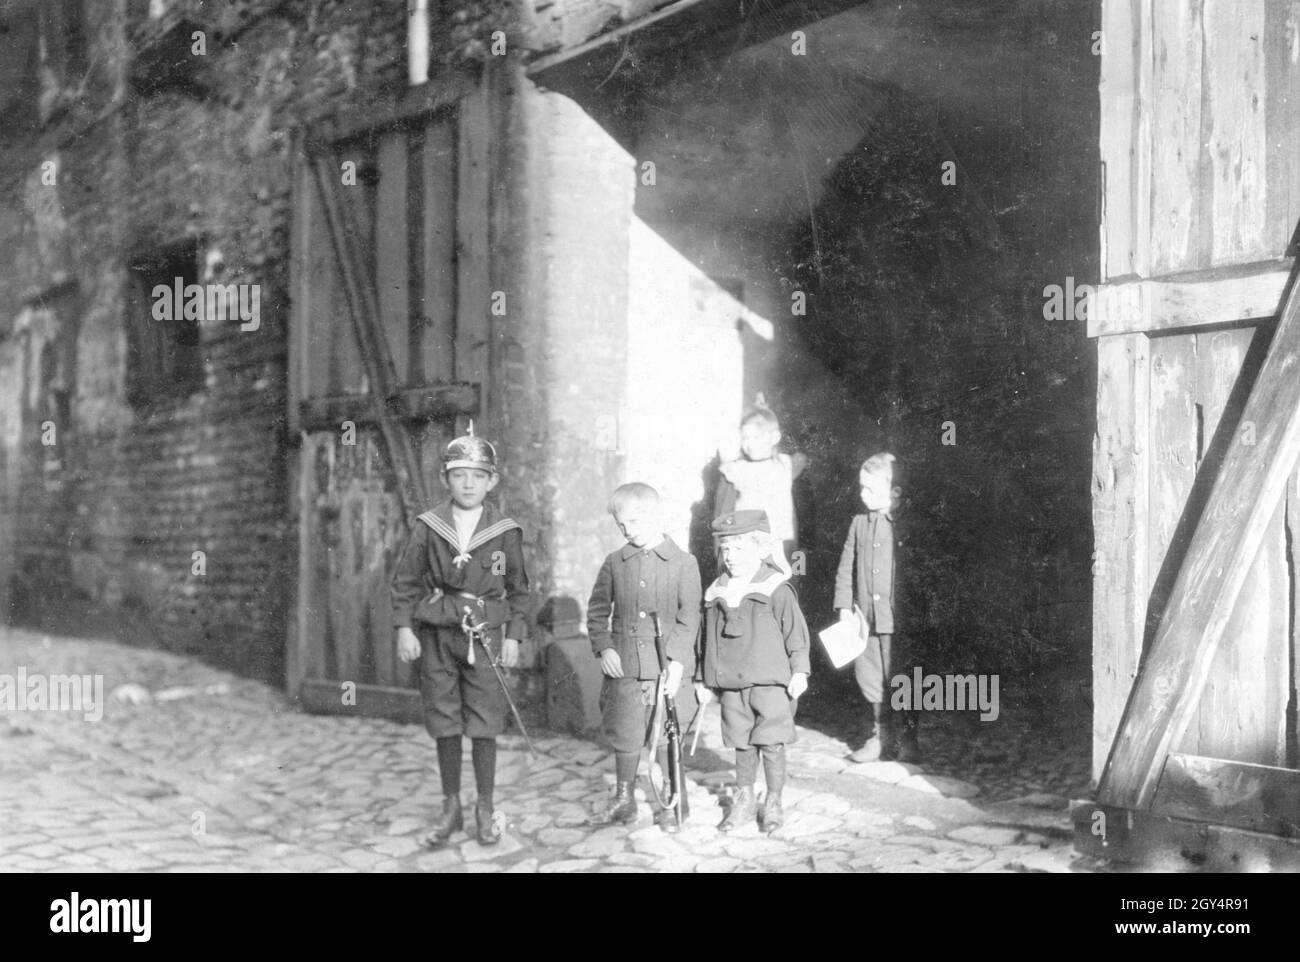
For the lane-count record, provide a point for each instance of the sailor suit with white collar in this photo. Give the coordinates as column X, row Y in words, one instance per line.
column 755, row 640
column 440, row 574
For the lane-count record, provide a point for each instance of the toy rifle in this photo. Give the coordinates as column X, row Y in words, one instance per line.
column 478, row 632
column 667, row 786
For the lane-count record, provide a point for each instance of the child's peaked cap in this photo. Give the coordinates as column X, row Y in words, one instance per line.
column 470, row 451
column 740, row 522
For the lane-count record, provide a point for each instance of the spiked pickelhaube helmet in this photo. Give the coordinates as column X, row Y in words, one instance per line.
column 470, row 451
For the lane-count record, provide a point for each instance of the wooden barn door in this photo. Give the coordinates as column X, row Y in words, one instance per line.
column 1195, row 496
column 387, row 351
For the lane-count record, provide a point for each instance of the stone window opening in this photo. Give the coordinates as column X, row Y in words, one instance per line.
column 164, row 357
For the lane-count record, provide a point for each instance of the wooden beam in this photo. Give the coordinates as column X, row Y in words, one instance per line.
column 675, row 12
column 1161, row 843
column 412, row 108
column 1175, row 302
column 297, row 638
column 429, row 403
column 322, row 697
column 1121, row 491
column 1228, row 536
column 681, row 31
column 1126, row 119
column 1262, row 798
column 392, row 260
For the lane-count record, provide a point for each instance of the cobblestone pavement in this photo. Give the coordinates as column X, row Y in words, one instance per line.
column 204, row 771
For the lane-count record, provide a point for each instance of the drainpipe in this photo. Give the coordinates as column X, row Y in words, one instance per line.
column 417, row 41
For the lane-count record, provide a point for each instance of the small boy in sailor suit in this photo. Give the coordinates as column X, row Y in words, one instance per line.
column 462, row 565
column 755, row 653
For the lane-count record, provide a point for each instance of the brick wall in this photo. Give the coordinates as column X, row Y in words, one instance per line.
column 134, row 492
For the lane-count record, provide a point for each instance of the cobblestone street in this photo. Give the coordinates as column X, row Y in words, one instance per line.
column 209, row 772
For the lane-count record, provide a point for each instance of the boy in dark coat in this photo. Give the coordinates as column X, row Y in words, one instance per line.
column 866, row 577
column 755, row 652
column 463, row 564
column 649, row 574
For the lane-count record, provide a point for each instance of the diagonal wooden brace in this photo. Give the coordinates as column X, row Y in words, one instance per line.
column 363, row 306
column 1228, row 536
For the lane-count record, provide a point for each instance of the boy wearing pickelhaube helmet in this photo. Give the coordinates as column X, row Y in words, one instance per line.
column 463, row 564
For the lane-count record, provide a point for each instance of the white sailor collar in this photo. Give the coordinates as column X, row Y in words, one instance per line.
column 489, row 526
column 732, row 592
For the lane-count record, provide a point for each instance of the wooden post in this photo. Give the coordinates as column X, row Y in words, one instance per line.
column 1121, row 471
column 1223, row 548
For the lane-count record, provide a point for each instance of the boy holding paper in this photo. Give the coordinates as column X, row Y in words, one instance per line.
column 865, row 591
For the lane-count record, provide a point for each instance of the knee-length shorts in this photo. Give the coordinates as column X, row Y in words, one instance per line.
column 459, row 698
column 627, row 710
column 761, row 715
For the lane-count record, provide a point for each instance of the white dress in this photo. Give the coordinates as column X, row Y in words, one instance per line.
column 767, row 486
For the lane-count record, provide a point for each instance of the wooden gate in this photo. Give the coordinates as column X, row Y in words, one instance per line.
column 1196, row 501
column 388, row 348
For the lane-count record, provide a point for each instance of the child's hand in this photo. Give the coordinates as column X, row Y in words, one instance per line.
column 611, row 664
column 703, row 693
column 846, row 614
column 408, row 646
column 674, row 680
column 798, row 684
column 509, row 653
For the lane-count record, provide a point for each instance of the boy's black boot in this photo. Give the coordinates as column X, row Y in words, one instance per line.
column 743, row 807
column 487, row 832
column 620, row 809
column 909, row 750
column 773, row 816
column 887, row 731
column 874, row 745
column 451, row 821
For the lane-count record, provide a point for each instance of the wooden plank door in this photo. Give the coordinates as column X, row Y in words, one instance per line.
column 1219, row 583
column 389, row 239
column 1198, row 383
column 1198, row 435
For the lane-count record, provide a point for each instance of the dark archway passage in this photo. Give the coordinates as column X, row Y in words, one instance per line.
column 920, row 172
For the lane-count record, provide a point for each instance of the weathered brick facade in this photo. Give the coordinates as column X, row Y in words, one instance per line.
column 111, row 514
